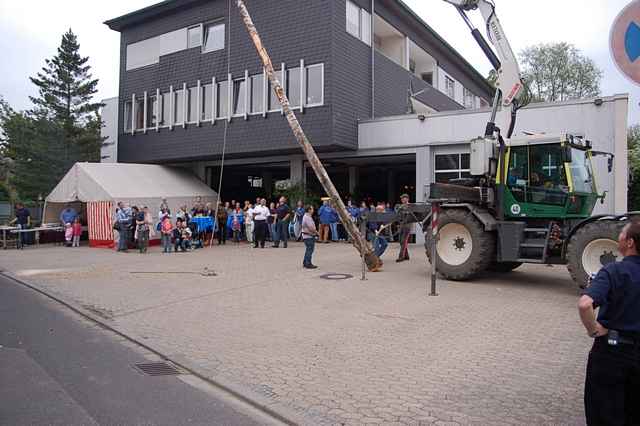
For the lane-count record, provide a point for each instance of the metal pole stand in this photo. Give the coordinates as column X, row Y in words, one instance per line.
column 364, row 268
column 435, row 210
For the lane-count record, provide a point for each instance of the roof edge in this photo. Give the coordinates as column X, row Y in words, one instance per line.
column 475, row 74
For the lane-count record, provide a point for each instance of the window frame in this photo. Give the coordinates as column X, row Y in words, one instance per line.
column 355, row 7
column 127, row 125
column 241, row 80
column 450, row 80
column 189, row 91
column 252, row 79
column 468, row 94
column 200, row 38
column 204, row 100
column 204, row 35
column 222, row 85
column 459, row 170
column 306, row 90
column 299, row 84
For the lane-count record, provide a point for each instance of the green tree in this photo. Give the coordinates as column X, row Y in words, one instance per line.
column 65, row 92
column 39, row 146
column 633, row 146
column 31, row 154
column 559, row 72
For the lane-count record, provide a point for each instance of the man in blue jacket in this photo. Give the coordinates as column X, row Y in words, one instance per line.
column 324, row 215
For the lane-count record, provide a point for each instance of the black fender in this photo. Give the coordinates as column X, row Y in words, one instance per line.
column 609, row 217
column 487, row 219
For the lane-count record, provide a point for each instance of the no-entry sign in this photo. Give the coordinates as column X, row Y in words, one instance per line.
column 625, row 41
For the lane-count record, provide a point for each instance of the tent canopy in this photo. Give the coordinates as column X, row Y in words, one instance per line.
column 120, row 181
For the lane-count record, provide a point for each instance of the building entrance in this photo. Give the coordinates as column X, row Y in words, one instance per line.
column 247, row 182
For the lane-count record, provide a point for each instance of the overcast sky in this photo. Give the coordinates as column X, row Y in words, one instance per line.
column 30, row 31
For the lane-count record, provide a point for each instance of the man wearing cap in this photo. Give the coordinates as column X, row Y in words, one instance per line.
column 405, row 231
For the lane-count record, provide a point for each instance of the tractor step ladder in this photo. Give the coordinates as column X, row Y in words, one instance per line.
column 535, row 243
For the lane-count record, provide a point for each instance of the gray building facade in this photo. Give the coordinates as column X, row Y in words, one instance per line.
column 190, row 79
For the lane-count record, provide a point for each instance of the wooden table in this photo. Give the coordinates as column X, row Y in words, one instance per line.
column 4, row 229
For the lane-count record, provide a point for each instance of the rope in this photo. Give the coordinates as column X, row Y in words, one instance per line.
column 226, row 121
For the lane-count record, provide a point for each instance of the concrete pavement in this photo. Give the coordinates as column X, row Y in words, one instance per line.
column 504, row 349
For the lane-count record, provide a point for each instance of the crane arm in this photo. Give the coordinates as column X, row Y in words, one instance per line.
column 509, row 80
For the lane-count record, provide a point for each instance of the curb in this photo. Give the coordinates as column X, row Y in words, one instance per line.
column 183, row 363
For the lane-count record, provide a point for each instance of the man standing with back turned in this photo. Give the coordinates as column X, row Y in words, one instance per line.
column 613, row 371
column 405, row 230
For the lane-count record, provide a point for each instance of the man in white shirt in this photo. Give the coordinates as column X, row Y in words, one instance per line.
column 260, row 214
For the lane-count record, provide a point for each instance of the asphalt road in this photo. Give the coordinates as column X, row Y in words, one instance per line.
column 59, row 368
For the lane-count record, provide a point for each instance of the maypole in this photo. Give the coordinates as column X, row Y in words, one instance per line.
column 359, row 242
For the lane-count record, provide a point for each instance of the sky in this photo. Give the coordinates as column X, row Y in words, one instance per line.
column 27, row 38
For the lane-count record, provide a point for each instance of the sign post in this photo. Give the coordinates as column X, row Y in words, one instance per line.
column 435, row 210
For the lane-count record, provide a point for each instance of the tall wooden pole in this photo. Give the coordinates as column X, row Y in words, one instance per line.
column 372, row 261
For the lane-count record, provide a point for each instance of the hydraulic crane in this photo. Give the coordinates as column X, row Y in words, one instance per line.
column 528, row 200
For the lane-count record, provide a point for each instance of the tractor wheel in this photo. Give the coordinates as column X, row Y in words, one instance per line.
column 504, row 267
column 464, row 248
column 591, row 247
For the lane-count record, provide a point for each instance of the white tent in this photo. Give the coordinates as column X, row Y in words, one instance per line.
column 96, row 188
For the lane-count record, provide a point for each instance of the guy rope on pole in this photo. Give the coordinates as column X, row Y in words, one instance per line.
column 359, row 242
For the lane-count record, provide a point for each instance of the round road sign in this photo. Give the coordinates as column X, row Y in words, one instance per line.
column 625, row 41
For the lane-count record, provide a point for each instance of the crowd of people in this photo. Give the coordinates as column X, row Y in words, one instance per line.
column 255, row 223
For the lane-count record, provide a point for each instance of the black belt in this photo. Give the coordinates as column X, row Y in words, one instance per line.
column 621, row 338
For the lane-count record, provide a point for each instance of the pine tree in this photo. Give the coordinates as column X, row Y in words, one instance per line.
column 66, row 90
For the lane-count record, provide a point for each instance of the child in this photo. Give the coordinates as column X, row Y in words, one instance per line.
column 77, row 232
column 234, row 222
column 166, row 230
column 68, row 234
column 187, row 234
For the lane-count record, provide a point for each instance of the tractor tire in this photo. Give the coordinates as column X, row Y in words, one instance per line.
column 464, row 248
column 504, row 267
column 590, row 248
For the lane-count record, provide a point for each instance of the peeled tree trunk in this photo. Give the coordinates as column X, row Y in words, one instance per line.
column 372, row 261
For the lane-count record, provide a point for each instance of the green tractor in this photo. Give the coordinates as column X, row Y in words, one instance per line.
column 527, row 202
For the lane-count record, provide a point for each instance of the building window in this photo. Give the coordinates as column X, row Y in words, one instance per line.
column 192, row 105
column 257, row 94
column 427, row 77
column 127, row 116
column 450, row 87
column 273, row 102
column 451, row 166
column 152, row 110
column 165, row 109
column 358, row 22
column 194, row 36
column 469, row 99
column 222, row 107
column 178, row 107
column 353, row 19
column 239, row 88
column 213, row 37
column 315, row 85
column 293, row 87
column 365, row 26
column 483, row 103
column 206, row 102
column 139, row 116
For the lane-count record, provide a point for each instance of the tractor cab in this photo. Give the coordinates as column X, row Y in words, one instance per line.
column 548, row 177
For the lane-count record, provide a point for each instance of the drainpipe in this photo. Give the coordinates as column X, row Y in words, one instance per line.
column 373, row 55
